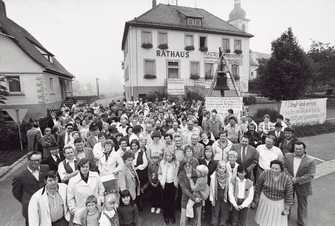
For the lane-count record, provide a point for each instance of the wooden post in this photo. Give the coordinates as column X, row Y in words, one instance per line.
column 19, row 128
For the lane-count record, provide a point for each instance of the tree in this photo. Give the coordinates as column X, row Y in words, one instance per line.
column 287, row 73
column 322, row 56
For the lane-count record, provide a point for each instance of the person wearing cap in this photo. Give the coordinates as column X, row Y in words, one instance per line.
column 287, row 144
column 54, row 157
column 278, row 134
column 65, row 138
column 47, row 206
column 213, row 124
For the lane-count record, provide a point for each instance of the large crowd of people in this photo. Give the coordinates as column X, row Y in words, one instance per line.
column 104, row 165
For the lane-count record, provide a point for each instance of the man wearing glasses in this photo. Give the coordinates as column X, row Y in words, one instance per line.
column 29, row 181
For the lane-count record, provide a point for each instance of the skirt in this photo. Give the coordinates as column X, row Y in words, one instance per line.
column 269, row 212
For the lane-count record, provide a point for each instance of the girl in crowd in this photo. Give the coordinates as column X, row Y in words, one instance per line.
column 109, row 215
column 155, row 187
column 167, row 176
column 90, row 215
column 128, row 212
column 274, row 196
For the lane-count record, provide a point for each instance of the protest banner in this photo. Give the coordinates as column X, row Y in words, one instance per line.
column 222, row 104
column 305, row 112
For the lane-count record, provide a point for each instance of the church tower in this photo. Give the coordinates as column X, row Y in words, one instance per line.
column 237, row 17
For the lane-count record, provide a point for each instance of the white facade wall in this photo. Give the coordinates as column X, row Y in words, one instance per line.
column 135, row 56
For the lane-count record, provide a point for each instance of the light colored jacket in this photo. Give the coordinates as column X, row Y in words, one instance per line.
column 128, row 182
column 162, row 172
column 38, row 209
column 78, row 191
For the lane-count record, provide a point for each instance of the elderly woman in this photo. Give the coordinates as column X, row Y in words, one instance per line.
column 84, row 184
column 218, row 195
column 128, row 178
column 274, row 196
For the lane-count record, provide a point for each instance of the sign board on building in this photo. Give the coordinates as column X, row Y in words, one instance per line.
column 301, row 112
column 222, row 104
column 172, row 53
column 230, row 57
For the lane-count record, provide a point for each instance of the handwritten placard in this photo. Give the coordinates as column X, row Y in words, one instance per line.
column 305, row 112
column 222, row 104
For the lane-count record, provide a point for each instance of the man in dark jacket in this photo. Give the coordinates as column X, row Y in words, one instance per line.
column 29, row 181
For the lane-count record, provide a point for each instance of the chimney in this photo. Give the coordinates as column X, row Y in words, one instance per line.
column 2, row 9
column 154, row 3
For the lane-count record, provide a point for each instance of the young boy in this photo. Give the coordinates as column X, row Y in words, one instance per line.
column 90, row 215
column 200, row 189
column 241, row 194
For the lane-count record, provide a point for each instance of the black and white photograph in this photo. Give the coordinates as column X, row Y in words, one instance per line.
column 167, row 113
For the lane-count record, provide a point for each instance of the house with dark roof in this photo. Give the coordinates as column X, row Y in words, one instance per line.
column 35, row 79
column 171, row 49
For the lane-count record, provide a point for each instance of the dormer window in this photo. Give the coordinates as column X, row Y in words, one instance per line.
column 194, row 21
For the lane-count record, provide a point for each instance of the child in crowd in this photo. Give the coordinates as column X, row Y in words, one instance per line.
column 90, row 215
column 200, row 189
column 155, row 187
column 232, row 165
column 109, row 215
column 128, row 212
column 241, row 194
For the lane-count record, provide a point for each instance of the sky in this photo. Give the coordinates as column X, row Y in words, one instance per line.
column 85, row 35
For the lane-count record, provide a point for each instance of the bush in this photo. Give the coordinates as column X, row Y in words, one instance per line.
column 147, row 45
column 238, row 51
column 149, row 76
column 312, row 130
column 163, row 46
column 249, row 100
column 191, row 95
column 259, row 115
column 189, row 48
column 155, row 95
column 195, row 76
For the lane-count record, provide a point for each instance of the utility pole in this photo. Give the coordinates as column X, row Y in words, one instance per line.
column 97, row 83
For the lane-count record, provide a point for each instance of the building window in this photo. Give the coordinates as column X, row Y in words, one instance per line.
column 209, row 70
column 236, row 72
column 226, row 45
column 14, row 84
column 237, row 45
column 163, row 40
column 203, row 44
column 149, row 69
column 194, row 21
column 173, row 69
column 195, row 70
column 189, row 42
column 51, row 84
column 146, row 39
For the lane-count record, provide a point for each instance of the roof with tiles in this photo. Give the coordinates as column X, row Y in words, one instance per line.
column 172, row 17
column 30, row 45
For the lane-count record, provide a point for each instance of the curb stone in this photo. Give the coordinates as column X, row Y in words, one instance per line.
column 5, row 169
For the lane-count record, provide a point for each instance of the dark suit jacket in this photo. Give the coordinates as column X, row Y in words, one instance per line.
column 53, row 165
column 305, row 173
column 250, row 160
column 25, row 185
column 287, row 147
column 278, row 139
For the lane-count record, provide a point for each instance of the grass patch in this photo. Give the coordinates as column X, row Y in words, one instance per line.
column 313, row 130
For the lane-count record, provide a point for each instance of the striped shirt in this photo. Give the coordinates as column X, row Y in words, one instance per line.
column 275, row 189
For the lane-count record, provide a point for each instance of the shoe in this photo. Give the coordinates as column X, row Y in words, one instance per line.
column 158, row 211
column 152, row 210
